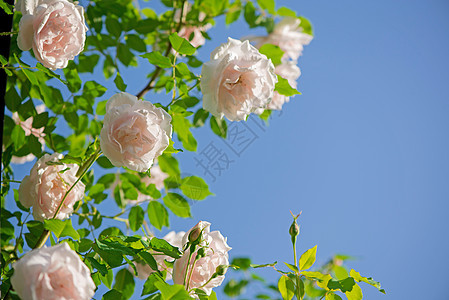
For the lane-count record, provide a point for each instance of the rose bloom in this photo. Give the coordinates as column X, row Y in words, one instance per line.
column 289, row 36
column 54, row 273
column 55, row 29
column 174, row 239
column 237, row 80
column 134, row 132
column 46, row 186
column 291, row 72
column 27, row 126
column 216, row 250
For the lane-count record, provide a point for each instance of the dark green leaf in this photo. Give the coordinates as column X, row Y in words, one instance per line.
column 136, row 217
column 119, row 83
column 219, row 126
column 163, row 246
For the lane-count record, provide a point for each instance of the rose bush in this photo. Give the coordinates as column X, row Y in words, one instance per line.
column 54, row 273
column 237, row 80
column 134, row 132
column 197, row 271
column 46, row 186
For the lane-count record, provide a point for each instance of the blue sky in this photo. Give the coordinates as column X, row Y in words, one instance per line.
column 363, row 152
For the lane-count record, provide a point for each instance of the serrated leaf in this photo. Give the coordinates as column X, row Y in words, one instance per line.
column 136, row 217
column 307, row 259
column 286, row 287
column 181, row 45
column 163, row 246
column 61, row 228
column 195, row 188
column 284, row 88
column 156, row 58
column 158, row 215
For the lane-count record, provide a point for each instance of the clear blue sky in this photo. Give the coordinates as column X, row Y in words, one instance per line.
column 363, row 152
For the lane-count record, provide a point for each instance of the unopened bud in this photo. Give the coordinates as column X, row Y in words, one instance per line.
column 221, row 270
column 201, row 253
column 195, row 235
column 294, row 229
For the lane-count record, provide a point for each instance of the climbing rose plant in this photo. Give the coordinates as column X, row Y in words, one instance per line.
column 55, row 241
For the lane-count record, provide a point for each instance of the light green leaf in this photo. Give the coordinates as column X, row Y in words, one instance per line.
column 356, row 275
column 284, row 88
column 61, row 228
column 292, row 267
column 156, row 58
column 178, row 205
column 307, row 259
column 332, row 296
column 195, row 188
column 124, row 283
column 6, row 7
column 172, row 292
column 286, row 12
column 234, row 12
column 355, row 293
column 181, row 45
column 158, row 215
column 273, row 52
column 268, row 5
column 286, row 287
column 136, row 217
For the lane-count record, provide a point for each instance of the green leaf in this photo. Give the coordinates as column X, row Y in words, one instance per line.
column 273, row 52
column 163, row 246
column 172, row 292
column 149, row 287
column 286, row 12
column 332, row 296
column 6, row 7
column 101, row 108
column 112, row 295
column 135, row 42
column 178, row 205
column 307, row 259
column 125, row 55
column 355, row 293
column 268, row 5
column 113, row 26
column 169, row 165
column 149, row 259
column 18, row 137
column 87, row 63
column 284, row 88
column 200, row 117
column 234, row 12
column 119, row 83
column 97, row 265
column 136, row 217
column 61, row 228
column 344, row 285
column 195, row 188
column 306, row 25
column 72, row 77
column 235, row 288
column 104, row 162
column 158, row 215
column 286, row 287
column 124, row 283
column 40, row 120
column 243, row 263
column 357, row 277
column 50, row 73
column 181, row 45
column 219, row 126
column 292, row 267
column 157, row 59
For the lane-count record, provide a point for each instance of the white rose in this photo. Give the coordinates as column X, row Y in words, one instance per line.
column 46, row 186
column 134, row 132
column 237, row 80
column 289, row 36
column 55, row 29
column 54, row 273
column 291, row 72
column 27, row 126
column 195, row 273
column 174, row 239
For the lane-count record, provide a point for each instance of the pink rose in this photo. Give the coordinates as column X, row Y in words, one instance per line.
column 46, row 186
column 55, row 29
column 291, row 72
column 54, row 273
column 27, row 126
column 134, row 132
column 174, row 239
column 193, row 273
column 289, row 36
column 237, row 80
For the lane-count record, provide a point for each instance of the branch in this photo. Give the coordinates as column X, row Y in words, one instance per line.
column 158, row 69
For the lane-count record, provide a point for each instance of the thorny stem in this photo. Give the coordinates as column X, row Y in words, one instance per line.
column 158, row 69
